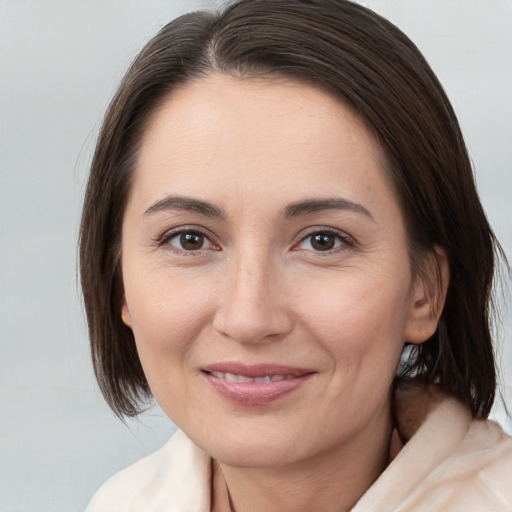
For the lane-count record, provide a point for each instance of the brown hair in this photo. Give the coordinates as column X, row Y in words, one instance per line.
column 372, row 66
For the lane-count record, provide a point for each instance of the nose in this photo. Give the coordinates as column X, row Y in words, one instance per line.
column 252, row 305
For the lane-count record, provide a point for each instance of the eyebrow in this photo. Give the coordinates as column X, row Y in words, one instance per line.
column 297, row 209
column 186, row 204
column 310, row 206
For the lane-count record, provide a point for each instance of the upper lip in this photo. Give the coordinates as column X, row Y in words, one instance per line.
column 257, row 370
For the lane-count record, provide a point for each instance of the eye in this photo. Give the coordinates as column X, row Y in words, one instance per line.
column 189, row 240
column 323, row 241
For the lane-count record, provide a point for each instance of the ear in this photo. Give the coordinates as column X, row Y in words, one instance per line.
column 125, row 313
column 429, row 296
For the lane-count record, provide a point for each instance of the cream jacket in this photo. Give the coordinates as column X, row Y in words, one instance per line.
column 448, row 463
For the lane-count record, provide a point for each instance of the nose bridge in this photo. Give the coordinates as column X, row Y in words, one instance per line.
column 251, row 306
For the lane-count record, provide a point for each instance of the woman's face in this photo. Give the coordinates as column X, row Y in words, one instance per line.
column 266, row 271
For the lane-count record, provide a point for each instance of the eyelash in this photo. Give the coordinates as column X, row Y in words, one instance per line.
column 168, row 236
column 344, row 239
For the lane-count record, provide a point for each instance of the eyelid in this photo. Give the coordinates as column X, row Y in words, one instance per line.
column 168, row 235
column 344, row 237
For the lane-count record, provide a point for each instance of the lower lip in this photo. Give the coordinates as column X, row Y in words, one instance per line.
column 256, row 393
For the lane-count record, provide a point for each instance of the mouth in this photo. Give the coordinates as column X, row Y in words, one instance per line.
column 244, row 378
column 255, row 384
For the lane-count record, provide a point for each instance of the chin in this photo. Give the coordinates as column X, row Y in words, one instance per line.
column 256, row 455
column 251, row 451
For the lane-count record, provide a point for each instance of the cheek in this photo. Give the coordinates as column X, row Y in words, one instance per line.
column 167, row 316
column 360, row 321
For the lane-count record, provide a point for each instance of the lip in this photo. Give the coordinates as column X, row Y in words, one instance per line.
column 256, row 393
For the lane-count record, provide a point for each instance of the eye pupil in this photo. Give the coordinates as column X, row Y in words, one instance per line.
column 322, row 242
column 191, row 241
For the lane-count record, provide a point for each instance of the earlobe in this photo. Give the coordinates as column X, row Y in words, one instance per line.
column 428, row 298
column 125, row 313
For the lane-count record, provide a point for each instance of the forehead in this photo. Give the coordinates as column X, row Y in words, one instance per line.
column 219, row 134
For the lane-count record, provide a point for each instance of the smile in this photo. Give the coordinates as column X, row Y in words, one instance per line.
column 244, row 378
column 255, row 385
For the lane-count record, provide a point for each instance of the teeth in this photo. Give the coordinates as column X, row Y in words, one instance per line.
column 262, row 379
column 243, row 378
column 231, row 377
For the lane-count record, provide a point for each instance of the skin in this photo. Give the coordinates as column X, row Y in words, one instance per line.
column 256, row 289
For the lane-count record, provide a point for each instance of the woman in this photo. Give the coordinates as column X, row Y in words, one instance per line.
column 281, row 201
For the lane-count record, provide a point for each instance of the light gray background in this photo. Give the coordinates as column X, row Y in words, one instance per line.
column 59, row 65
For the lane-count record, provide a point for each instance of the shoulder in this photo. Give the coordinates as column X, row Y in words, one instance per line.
column 472, row 466
column 475, row 475
column 478, row 474
column 175, row 477
column 449, row 462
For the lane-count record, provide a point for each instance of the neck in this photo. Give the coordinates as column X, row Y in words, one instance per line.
column 327, row 482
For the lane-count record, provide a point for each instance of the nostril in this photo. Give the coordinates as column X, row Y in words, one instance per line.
column 254, row 325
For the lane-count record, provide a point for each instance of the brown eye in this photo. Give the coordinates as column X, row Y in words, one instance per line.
column 189, row 241
column 324, row 241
